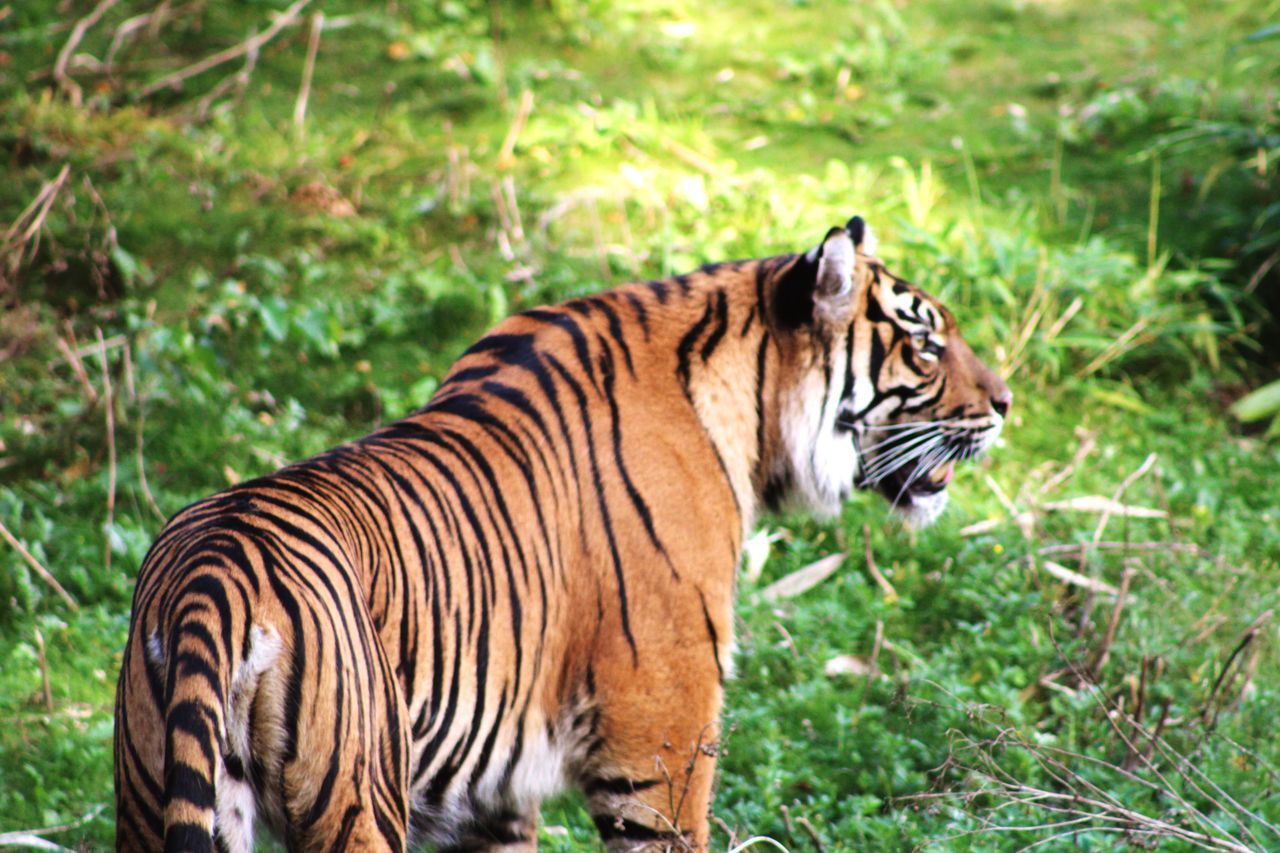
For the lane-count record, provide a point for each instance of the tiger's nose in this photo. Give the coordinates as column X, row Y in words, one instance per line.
column 1001, row 399
column 997, row 391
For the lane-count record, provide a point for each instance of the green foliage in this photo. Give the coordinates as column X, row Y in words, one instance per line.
column 265, row 290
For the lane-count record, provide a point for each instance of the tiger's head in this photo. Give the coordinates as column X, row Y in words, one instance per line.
column 884, row 394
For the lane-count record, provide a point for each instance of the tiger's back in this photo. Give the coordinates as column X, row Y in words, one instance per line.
column 525, row 586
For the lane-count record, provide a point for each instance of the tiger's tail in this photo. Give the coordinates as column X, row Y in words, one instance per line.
column 211, row 680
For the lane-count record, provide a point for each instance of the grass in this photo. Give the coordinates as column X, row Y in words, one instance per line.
column 1086, row 186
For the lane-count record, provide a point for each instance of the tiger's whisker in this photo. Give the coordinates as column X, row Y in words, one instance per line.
column 887, row 465
column 897, row 456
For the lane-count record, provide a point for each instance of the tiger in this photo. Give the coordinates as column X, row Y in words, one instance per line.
column 528, row 585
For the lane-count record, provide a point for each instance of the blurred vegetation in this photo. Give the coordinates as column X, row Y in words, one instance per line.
column 204, row 275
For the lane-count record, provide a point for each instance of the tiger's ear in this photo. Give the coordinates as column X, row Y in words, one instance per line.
column 862, row 236
column 837, row 278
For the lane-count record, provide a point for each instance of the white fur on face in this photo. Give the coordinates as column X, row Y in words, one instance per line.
column 920, row 511
column 823, row 459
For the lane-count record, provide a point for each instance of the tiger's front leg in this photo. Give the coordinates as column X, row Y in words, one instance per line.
column 650, row 786
column 650, row 771
column 503, row 832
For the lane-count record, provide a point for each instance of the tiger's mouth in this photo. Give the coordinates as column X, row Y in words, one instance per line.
column 906, row 484
column 914, row 466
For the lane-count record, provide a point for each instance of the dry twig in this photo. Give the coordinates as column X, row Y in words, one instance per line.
column 308, row 69
column 60, row 76
column 43, row 661
column 109, row 399
column 151, row 21
column 1103, row 651
column 1065, row 575
column 21, row 239
column 506, row 154
column 35, row 564
column 139, row 425
column 890, row 594
column 1109, row 509
column 1212, row 706
column 72, row 357
column 250, row 45
column 31, row 837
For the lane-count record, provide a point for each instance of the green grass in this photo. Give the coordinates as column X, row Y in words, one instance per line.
column 1087, row 186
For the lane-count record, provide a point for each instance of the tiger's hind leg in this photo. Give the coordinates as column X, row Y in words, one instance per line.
column 331, row 747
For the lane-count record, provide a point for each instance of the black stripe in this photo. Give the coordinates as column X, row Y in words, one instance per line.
column 715, row 638
column 187, row 838
column 717, row 331
column 616, row 785
column 184, row 782
column 615, row 827
column 642, row 314
column 576, row 335
column 615, row 331
column 472, row 374
column 195, row 720
column 602, row 504
column 637, row 501
column 685, row 347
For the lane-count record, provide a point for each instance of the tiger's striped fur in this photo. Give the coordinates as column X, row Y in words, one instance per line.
column 528, row 584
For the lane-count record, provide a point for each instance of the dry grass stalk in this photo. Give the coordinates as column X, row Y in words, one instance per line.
column 804, row 824
column 752, row 842
column 252, row 44
column 1088, row 442
column 239, row 81
column 308, row 70
column 1107, row 511
column 1076, row 547
column 109, row 399
column 1065, row 317
column 788, row 642
column 72, row 357
column 1032, row 314
column 32, row 837
column 1261, row 272
column 151, row 21
column 513, row 209
column 112, row 342
column 139, row 427
column 506, row 154
column 43, row 662
column 21, row 239
column 1075, row 803
column 691, row 158
column 597, row 241
column 1100, row 504
column 1190, row 775
column 1222, row 686
column 31, row 561
column 1103, row 651
column 1128, row 339
column 1103, row 518
column 1067, row 576
column 82, row 26
column 890, row 594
